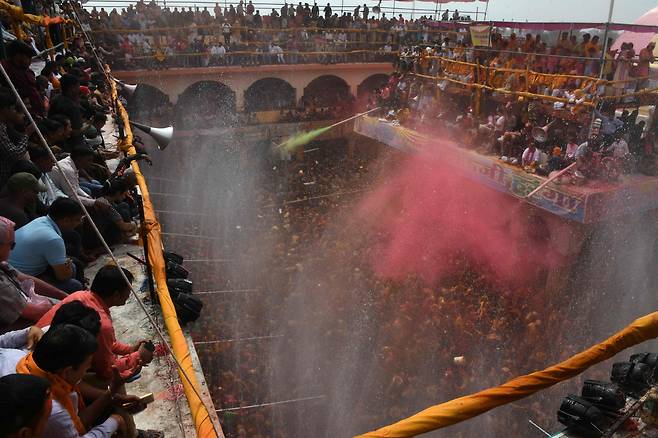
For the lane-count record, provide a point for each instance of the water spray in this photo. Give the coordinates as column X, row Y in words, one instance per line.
column 295, row 400
column 226, row 341
column 230, row 291
column 302, row 138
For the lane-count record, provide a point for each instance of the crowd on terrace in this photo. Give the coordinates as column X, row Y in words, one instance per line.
column 543, row 118
column 147, row 35
column 57, row 328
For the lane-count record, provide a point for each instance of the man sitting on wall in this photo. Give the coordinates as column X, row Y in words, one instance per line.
column 40, row 250
column 108, row 289
column 63, row 356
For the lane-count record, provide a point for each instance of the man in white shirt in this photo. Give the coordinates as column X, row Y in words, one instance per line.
column 63, row 356
column 619, row 147
column 531, row 156
column 42, row 159
column 276, row 49
column 80, row 159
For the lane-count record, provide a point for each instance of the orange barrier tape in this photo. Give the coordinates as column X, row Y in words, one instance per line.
column 463, row 408
column 555, row 76
column 502, row 90
column 200, row 415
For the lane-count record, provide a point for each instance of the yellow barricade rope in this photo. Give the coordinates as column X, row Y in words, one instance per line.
column 463, row 408
column 200, row 415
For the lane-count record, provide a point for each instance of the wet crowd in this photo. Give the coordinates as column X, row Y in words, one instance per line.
column 344, row 348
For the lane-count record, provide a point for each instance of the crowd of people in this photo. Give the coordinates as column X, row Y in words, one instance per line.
column 540, row 135
column 312, row 289
column 147, row 35
column 62, row 370
column 560, row 70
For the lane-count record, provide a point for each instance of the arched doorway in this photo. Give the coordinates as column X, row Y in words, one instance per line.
column 327, row 90
column 269, row 94
column 150, row 106
column 370, row 84
column 205, row 104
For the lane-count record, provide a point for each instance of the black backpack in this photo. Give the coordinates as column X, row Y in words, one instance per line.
column 188, row 307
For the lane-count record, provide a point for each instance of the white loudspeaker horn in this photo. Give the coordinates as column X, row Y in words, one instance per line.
column 541, row 134
column 162, row 136
column 127, row 89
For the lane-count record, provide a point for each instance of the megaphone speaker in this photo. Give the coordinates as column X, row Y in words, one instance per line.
column 162, row 136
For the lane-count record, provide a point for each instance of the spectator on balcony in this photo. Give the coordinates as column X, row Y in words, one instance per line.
column 63, row 356
column 644, row 64
column 17, row 65
column 531, row 156
column 115, row 222
column 68, row 104
column 72, row 168
column 25, row 405
column 609, row 124
column 619, row 147
column 40, row 249
column 226, row 32
column 623, row 70
column 45, row 162
column 277, row 51
column 13, row 145
column 327, row 11
column 217, row 53
column 18, row 200
column 108, row 290
column 572, row 146
column 20, row 307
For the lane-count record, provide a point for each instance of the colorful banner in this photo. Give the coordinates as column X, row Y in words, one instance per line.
column 480, row 35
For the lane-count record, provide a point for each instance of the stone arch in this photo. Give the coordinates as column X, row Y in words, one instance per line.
column 371, row 83
column 326, row 90
column 150, row 105
column 205, row 104
column 269, row 94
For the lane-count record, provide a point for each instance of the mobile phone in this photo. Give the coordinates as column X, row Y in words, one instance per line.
column 146, row 399
column 149, row 346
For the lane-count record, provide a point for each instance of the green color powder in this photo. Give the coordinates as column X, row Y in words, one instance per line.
column 302, row 138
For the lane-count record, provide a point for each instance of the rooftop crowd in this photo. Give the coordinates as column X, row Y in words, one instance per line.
column 62, row 368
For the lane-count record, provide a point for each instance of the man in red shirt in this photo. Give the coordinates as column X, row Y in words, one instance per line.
column 108, row 289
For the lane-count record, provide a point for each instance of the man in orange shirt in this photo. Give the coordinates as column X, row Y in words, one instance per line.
column 108, row 289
